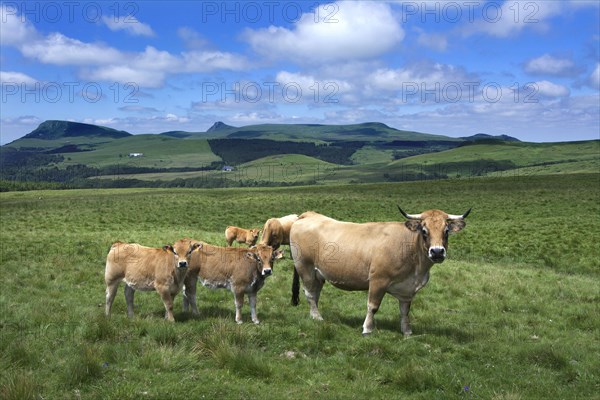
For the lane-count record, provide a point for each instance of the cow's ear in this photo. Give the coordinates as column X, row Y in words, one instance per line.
column 168, row 247
column 456, row 226
column 196, row 246
column 277, row 255
column 413, row 224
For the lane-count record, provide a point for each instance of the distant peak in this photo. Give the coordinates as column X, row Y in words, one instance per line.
column 486, row 137
column 55, row 129
column 219, row 126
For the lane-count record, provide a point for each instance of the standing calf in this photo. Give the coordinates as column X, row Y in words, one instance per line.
column 144, row 268
column 240, row 270
column 240, row 235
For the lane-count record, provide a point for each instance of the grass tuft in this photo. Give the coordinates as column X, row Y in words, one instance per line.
column 18, row 385
column 86, row 367
column 99, row 328
column 545, row 356
column 165, row 334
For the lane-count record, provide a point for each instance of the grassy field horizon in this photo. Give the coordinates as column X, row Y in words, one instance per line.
column 512, row 314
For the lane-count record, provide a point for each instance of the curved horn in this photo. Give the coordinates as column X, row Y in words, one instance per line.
column 458, row 217
column 408, row 216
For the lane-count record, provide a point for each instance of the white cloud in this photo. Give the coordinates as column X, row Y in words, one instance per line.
column 203, row 61
column 125, row 74
column 549, row 89
column 312, row 89
column 174, row 118
column 14, row 29
column 98, row 61
column 341, row 31
column 58, row 49
column 422, row 77
column 16, row 77
column 250, row 118
column 14, row 127
column 512, row 17
column 130, row 24
column 547, row 64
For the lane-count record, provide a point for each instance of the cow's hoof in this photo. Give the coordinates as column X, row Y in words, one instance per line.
column 238, row 322
column 366, row 334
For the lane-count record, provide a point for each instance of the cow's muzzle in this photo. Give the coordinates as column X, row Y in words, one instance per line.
column 267, row 272
column 182, row 264
column 437, row 254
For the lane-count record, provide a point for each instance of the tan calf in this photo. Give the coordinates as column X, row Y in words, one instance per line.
column 144, row 268
column 240, row 270
column 240, row 235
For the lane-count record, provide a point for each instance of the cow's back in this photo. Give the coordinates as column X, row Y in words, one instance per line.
column 272, row 233
column 286, row 226
column 344, row 253
column 219, row 266
column 138, row 265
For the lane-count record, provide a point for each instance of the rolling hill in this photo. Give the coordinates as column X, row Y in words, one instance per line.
column 83, row 155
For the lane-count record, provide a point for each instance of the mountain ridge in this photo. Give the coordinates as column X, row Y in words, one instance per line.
column 58, row 129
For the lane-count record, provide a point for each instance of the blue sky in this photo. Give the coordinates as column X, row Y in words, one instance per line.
column 523, row 68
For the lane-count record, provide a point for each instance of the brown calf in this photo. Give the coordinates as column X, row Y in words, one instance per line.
column 144, row 268
column 240, row 235
column 240, row 270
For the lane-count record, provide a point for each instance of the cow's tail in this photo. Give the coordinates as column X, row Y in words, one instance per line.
column 295, row 288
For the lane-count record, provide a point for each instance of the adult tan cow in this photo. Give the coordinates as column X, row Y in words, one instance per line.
column 144, row 268
column 240, row 270
column 240, row 235
column 381, row 257
column 277, row 231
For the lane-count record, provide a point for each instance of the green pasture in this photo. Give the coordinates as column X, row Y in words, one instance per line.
column 371, row 164
column 159, row 151
column 520, row 153
column 512, row 314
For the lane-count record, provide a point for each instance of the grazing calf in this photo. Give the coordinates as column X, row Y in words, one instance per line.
column 144, row 268
column 277, row 231
column 240, row 235
column 240, row 270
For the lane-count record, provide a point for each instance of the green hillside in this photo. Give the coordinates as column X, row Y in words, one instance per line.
column 158, row 151
column 488, row 159
column 370, row 131
column 80, row 155
column 52, row 129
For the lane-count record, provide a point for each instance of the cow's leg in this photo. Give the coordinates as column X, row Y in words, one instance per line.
column 167, row 299
column 111, row 292
column 404, row 319
column 252, row 301
column 239, row 302
column 376, row 293
column 189, row 294
column 313, row 283
column 129, row 292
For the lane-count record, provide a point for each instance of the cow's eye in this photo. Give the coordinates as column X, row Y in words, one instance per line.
column 424, row 231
